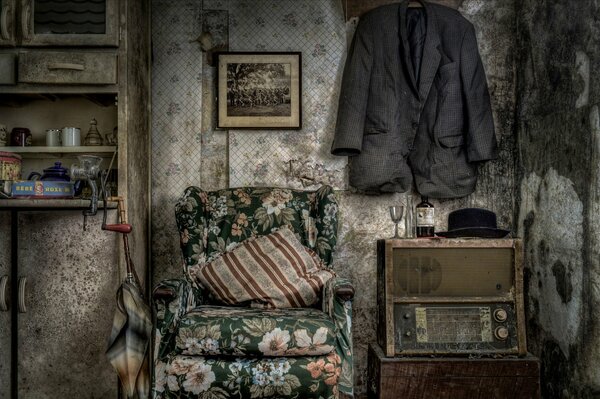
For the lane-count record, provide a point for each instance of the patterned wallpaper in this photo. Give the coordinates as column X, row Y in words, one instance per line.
column 176, row 122
column 277, row 158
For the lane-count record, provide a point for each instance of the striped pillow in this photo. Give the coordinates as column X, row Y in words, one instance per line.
column 273, row 271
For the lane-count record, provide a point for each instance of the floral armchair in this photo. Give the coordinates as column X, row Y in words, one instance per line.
column 206, row 350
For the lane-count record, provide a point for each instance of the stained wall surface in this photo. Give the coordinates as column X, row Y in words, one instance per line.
column 558, row 197
column 187, row 150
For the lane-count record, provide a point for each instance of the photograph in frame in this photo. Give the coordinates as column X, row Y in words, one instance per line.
column 259, row 90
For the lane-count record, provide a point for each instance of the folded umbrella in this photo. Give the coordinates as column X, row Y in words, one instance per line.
column 129, row 342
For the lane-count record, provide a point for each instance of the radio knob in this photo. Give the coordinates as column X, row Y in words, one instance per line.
column 501, row 333
column 500, row 315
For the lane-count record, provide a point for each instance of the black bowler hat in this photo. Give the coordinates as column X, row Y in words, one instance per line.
column 473, row 222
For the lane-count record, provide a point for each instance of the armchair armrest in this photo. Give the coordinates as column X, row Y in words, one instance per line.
column 337, row 303
column 343, row 291
column 164, row 293
column 173, row 298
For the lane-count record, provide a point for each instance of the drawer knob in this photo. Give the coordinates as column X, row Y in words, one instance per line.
column 4, row 23
column 3, row 303
column 22, row 288
column 66, row 65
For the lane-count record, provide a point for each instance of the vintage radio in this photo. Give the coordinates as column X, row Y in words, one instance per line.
column 451, row 297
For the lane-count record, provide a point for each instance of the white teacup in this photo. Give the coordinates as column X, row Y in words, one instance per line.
column 71, row 137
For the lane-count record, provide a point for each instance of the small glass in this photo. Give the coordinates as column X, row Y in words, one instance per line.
column 396, row 212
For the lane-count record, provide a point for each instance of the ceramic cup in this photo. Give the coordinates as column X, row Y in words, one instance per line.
column 3, row 136
column 71, row 137
column 20, row 137
column 53, row 137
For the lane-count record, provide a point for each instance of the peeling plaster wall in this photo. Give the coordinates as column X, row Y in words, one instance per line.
column 559, row 200
column 188, row 151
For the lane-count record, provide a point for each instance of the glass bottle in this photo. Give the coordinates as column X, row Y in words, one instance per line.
column 425, row 218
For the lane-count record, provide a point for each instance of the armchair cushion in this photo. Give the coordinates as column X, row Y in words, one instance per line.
column 273, row 271
column 220, row 330
column 193, row 377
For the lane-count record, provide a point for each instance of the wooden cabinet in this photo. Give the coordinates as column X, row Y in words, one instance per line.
column 59, row 23
column 65, row 309
column 54, row 347
column 5, row 314
column 452, row 377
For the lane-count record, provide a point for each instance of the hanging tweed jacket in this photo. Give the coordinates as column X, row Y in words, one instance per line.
column 414, row 102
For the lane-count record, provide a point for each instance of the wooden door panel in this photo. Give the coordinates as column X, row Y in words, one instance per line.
column 70, row 301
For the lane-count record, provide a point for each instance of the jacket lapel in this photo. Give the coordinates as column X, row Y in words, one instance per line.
column 431, row 54
column 406, row 60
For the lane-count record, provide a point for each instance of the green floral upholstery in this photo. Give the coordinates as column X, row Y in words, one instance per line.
column 204, row 377
column 220, row 330
column 214, row 222
column 203, row 350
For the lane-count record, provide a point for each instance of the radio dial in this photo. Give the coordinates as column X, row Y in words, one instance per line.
column 500, row 315
column 501, row 333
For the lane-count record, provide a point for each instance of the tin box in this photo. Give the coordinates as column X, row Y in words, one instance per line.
column 42, row 189
column 10, row 166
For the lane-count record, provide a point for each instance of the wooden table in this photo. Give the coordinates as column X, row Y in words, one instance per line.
column 452, row 377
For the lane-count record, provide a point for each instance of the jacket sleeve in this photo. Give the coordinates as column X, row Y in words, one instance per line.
column 354, row 94
column 480, row 136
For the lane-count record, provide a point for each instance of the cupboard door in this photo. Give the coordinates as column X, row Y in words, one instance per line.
column 70, row 278
column 7, row 22
column 5, row 305
column 69, row 22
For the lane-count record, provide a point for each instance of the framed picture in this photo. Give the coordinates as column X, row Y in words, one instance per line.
column 259, row 91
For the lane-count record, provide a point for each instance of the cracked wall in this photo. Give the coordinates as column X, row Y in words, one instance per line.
column 558, row 199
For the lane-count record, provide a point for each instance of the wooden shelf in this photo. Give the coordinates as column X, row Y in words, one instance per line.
column 60, row 150
column 50, row 204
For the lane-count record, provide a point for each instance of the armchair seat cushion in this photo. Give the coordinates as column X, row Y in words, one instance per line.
column 226, row 330
column 205, row 377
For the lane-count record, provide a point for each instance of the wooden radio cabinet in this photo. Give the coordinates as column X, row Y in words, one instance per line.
column 451, row 297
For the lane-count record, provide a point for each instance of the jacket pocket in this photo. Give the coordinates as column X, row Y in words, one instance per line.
column 375, row 130
column 451, row 141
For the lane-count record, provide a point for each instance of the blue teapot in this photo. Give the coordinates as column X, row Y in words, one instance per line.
column 54, row 173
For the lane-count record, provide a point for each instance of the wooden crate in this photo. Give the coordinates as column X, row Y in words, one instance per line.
column 421, row 283
column 451, row 377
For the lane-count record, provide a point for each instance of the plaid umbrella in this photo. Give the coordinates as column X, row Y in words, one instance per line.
column 129, row 340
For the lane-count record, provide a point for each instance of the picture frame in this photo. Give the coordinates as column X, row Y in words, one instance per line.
column 259, row 90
